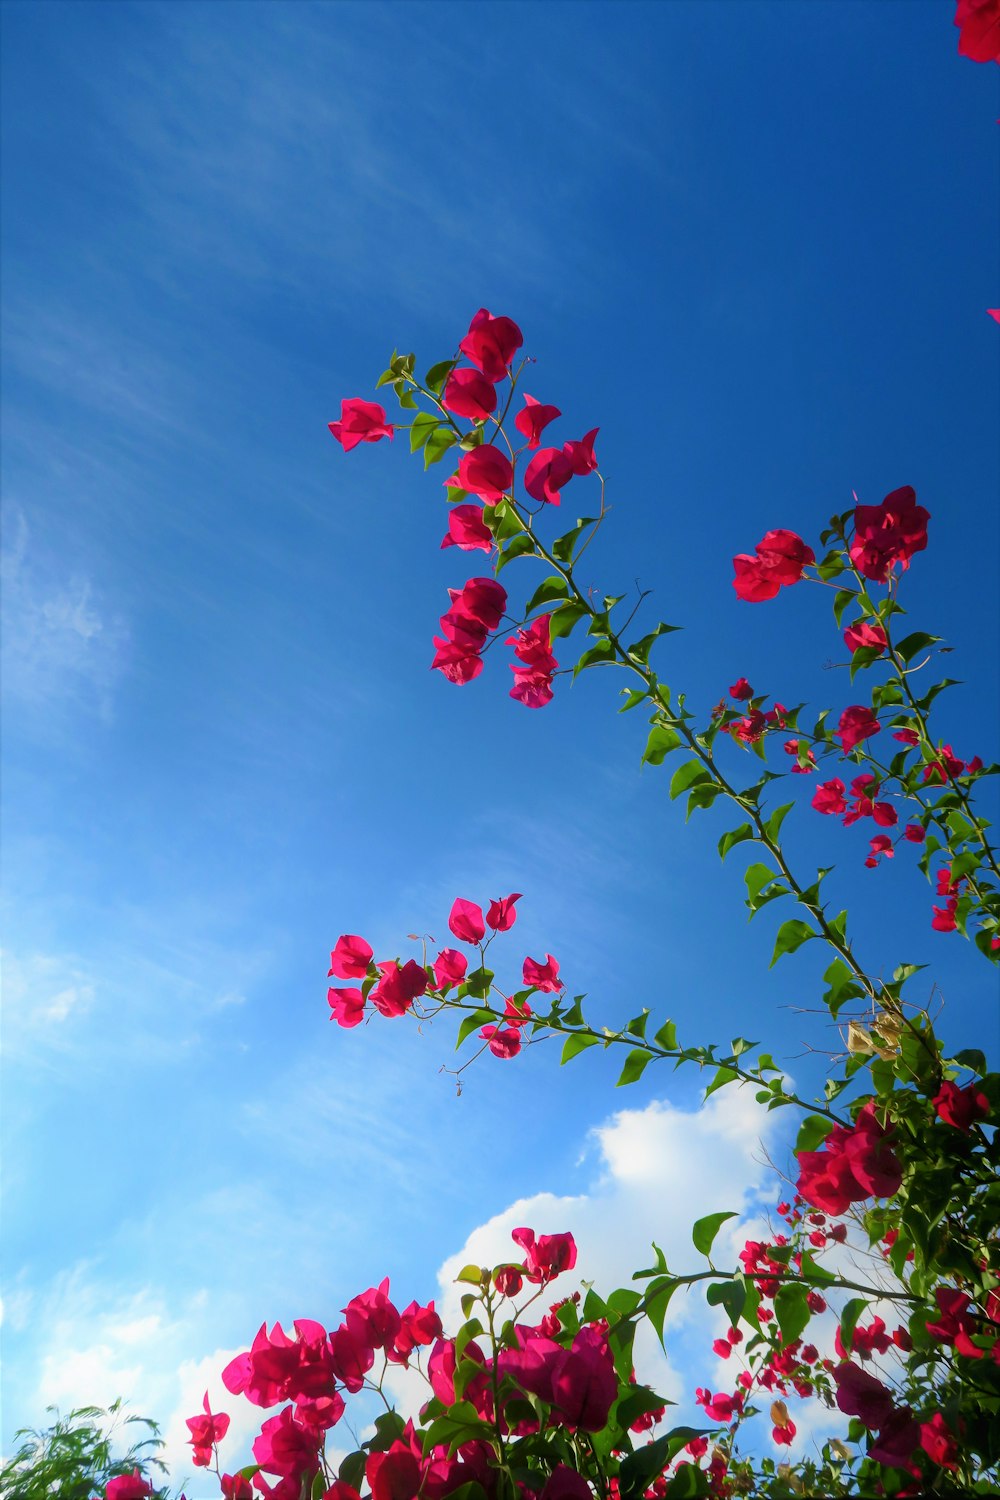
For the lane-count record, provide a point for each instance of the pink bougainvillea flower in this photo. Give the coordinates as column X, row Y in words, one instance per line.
column 749, row 729
column 881, row 846
column 418, row 1327
column 504, row 1041
column 944, row 768
column 546, row 475
column 468, row 530
column 535, row 665
column 347, row 1006
column 477, row 607
column 780, row 557
column 128, row 1487
column 371, row 1317
column 581, row 455
column 501, row 915
column 914, row 833
column 395, row 1473
column 861, row 633
column 486, row 472
column 544, row 976
column 994, row 313
column 801, row 767
column 533, row 418
column 857, row 723
column 350, row 958
column 566, row 1484
column 466, row 921
column 491, row 344
column 855, row 1163
column 547, row 1256
column 236, row 1487
column 399, row 986
column 861, row 1395
column 531, row 687
column 460, row 664
column 720, row 1407
column 887, row 534
column 285, row 1448
column 829, row 797
column 351, row 1358
column 360, row 422
column 979, row 36
column 450, row 968
column 741, row 690
column 939, row 1442
column 468, row 393
column 960, row 1107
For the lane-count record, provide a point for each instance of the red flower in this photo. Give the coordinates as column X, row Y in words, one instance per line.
column 491, row 344
column 347, row 1006
column 466, row 921
column 854, row 1164
column 398, row 987
column 939, row 1442
column 468, row 530
column 468, row 393
column 979, row 37
column 547, row 1256
column 285, row 1448
column 350, row 958
column 780, row 559
column 880, row 844
column 128, row 1487
column 450, row 967
column 829, row 797
column 581, row 454
column 533, row 418
column 856, row 723
column 898, row 1436
column 360, row 422
column 861, row 1395
column 543, row 976
column 501, row 915
column 862, row 634
column 546, row 474
column 887, row 534
column 536, row 664
column 741, row 689
column 484, row 471
column 914, row 834
column 960, row 1107
column 235, row 1487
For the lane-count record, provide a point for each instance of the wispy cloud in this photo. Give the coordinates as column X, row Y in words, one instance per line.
column 64, row 647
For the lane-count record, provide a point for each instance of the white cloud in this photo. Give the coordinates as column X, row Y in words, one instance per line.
column 41, row 994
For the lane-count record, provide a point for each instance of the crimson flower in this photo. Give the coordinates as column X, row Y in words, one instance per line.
column 360, row 422
column 501, row 914
column 566, row 1484
column 467, row 529
column 347, row 1006
column 235, row 1487
column 741, row 689
column 861, row 1395
column 546, row 474
column 979, row 37
column 829, row 797
column 450, row 968
column 861, row 633
column 547, row 1256
column 535, row 663
column 581, row 455
column 544, row 976
column 533, row 418
column 128, row 1487
column 939, row 1442
column 399, row 986
column 285, row 1448
column 504, row 1041
column 491, row 344
column 468, row 393
column 857, row 723
column 887, row 534
column 779, row 561
column 960, row 1107
column 466, row 921
column 351, row 957
column 486, row 472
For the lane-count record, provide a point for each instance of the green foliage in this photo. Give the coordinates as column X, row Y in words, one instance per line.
column 74, row 1458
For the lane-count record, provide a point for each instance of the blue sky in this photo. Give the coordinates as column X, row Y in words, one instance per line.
column 754, row 244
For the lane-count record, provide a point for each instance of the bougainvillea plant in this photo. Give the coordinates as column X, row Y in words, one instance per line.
column 534, row 1394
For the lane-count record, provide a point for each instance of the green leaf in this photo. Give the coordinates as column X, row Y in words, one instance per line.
column 564, row 546
column 662, row 740
column 791, row 1310
column 553, row 587
column 423, row 426
column 479, row 983
column 575, row 1043
column 633, row 697
column 690, row 774
column 472, row 1023
column 636, row 1064
column 812, row 1132
column 731, row 1294
column 436, row 376
column 666, row 1037
column 757, row 877
column 437, row 445
column 723, row 1076
column 564, row 618
column 774, row 822
column 910, row 645
column 640, row 649
column 849, row 1320
column 791, row 935
column 516, row 547
column 733, row 837
column 604, row 651
column 704, row 1230
column 841, row 600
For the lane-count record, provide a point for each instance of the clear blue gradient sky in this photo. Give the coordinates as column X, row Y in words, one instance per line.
column 753, row 243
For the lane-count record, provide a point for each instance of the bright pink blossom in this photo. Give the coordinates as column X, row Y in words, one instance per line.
column 285, row 1448
column 979, row 38
column 418, row 1327
column 466, row 921
column 855, row 1163
column 857, row 723
column 476, row 608
column 861, row 633
column 398, row 987
column 780, row 558
column 468, row 393
column 501, row 915
column 535, row 663
column 395, row 1474
column 347, row 1006
column 351, row 957
column 960, row 1107
column 861, row 1395
column 547, row 1255
column 491, row 344
column 581, row 455
column 128, row 1487
column 544, row 976
column 486, row 472
column 914, row 833
column 360, row 422
column 467, row 529
column 458, row 663
column 898, row 1436
column 720, row 1407
column 504, row 1041
column 450, row 968
column 829, row 797
column 881, row 845
column 371, row 1317
column 533, row 418
column 939, row 1442
column 235, row 1487
column 887, row 534
column 546, row 475
column 741, row 690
